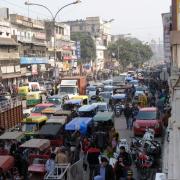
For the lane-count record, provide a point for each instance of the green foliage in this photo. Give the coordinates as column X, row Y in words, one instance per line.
column 132, row 51
column 88, row 48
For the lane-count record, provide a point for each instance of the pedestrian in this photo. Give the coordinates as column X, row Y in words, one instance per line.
column 127, row 161
column 61, row 157
column 93, row 158
column 135, row 110
column 120, row 170
column 50, row 163
column 128, row 115
column 104, row 171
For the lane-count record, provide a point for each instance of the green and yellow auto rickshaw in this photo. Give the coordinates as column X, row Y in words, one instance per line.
column 33, row 98
column 23, row 91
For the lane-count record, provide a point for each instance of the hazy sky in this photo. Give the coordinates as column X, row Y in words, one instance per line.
column 141, row 18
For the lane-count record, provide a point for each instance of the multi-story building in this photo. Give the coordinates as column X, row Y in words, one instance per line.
column 9, row 55
column 100, row 32
column 172, row 146
column 62, row 52
column 31, row 37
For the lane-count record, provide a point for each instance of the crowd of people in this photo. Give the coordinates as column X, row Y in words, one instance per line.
column 100, row 148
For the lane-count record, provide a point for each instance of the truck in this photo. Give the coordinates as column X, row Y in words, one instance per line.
column 73, row 86
column 11, row 113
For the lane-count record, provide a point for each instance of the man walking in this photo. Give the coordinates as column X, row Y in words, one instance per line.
column 128, row 115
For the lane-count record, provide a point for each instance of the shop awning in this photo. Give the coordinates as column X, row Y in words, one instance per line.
column 10, row 76
column 7, row 42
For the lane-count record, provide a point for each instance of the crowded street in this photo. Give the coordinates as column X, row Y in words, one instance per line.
column 89, row 90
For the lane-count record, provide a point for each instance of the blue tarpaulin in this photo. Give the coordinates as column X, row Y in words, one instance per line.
column 78, row 124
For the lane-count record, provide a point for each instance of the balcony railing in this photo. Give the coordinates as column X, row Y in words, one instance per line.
column 10, row 55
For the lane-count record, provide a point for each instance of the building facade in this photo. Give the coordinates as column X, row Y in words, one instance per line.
column 61, row 50
column 31, row 37
column 9, row 55
column 100, row 32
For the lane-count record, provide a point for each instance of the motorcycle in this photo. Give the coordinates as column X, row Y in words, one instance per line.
column 143, row 163
column 118, row 109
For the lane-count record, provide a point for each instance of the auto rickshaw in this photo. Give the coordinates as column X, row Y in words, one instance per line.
column 72, row 104
column 50, row 110
column 81, row 124
column 53, row 130
column 103, row 120
column 14, row 135
column 39, row 152
column 33, row 98
column 88, row 110
column 32, row 124
column 60, row 113
column 84, row 98
column 58, row 99
column 23, row 91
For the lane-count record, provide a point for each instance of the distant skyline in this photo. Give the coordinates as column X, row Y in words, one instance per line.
column 140, row 18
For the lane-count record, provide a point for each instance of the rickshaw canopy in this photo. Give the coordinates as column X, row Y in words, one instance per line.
column 15, row 135
column 80, row 97
column 50, row 129
column 40, row 144
column 6, row 162
column 87, row 108
column 74, row 102
column 103, row 116
column 62, row 113
column 57, row 120
column 35, row 119
column 49, row 110
column 119, row 96
column 79, row 124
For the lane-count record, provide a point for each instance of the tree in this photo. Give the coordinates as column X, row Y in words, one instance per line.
column 132, row 51
column 88, row 48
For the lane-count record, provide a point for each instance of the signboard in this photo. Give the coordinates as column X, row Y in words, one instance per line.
column 3, row 69
column 10, row 69
column 166, row 18
column 34, row 69
column 39, row 35
column 17, row 68
column 34, row 60
column 78, row 50
column 43, row 67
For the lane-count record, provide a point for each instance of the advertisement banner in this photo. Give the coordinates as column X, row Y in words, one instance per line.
column 78, row 49
column 34, row 70
column 34, row 60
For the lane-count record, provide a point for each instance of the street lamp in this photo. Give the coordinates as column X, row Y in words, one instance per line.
column 54, row 16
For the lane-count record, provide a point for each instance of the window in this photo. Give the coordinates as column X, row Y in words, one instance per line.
column 147, row 115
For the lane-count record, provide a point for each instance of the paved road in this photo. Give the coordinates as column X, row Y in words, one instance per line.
column 120, row 125
column 124, row 133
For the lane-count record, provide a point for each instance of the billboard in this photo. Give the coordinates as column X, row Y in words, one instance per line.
column 33, row 60
column 78, row 49
column 166, row 18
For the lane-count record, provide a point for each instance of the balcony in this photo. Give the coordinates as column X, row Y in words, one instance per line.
column 9, row 56
column 24, row 39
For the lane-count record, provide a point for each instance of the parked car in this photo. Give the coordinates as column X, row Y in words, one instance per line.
column 148, row 118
